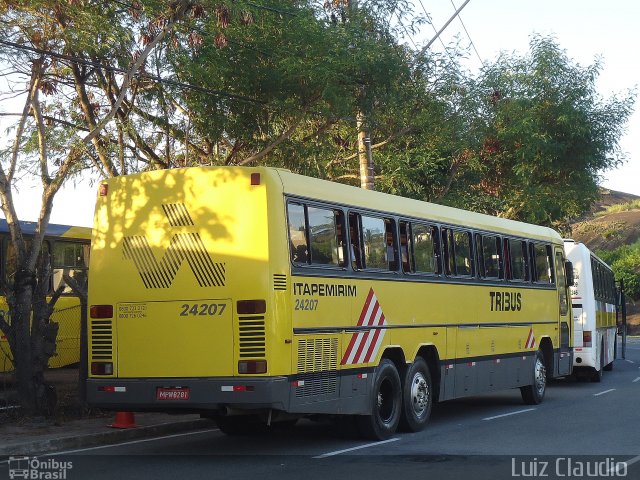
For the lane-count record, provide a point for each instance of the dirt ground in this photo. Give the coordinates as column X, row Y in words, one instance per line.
column 65, row 381
column 633, row 319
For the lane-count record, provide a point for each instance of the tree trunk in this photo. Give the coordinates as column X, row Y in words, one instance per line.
column 367, row 174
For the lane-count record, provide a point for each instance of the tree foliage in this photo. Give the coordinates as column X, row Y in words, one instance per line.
column 625, row 262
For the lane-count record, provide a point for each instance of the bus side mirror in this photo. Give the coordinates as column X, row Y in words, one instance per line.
column 568, row 273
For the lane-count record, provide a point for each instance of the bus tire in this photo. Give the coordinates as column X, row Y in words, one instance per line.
column 596, row 374
column 240, row 425
column 417, row 397
column 609, row 367
column 534, row 393
column 385, row 404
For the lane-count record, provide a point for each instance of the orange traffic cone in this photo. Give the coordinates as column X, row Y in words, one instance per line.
column 124, row 420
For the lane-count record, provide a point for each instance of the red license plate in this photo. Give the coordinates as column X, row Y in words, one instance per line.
column 172, row 394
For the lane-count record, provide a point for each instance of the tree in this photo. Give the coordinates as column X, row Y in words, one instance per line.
column 545, row 136
column 58, row 48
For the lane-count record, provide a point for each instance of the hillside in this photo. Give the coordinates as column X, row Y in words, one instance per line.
column 610, row 225
column 614, row 221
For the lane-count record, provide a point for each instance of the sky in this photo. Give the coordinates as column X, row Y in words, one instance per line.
column 586, row 29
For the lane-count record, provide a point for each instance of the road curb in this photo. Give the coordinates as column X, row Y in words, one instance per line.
column 112, row 436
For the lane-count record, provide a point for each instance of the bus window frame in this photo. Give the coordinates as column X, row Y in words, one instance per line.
column 392, row 229
column 525, row 260
column 436, row 250
column 67, row 291
column 448, row 250
column 335, row 208
column 479, row 238
column 534, row 267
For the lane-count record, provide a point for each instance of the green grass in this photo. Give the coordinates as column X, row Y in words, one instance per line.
column 620, row 207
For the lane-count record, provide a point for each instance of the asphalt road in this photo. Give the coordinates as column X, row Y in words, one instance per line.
column 581, row 430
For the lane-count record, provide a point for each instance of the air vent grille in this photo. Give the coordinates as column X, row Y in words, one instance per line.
column 317, row 366
column 279, row 281
column 252, row 336
column 101, row 340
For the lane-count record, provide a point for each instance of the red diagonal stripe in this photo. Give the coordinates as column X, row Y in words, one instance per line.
column 363, row 342
column 355, row 335
column 367, row 358
column 528, row 339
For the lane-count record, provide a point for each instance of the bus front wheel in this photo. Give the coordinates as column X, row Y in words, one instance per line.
column 534, row 393
column 385, row 404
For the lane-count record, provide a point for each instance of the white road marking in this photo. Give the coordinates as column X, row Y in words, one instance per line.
column 636, row 380
column 630, row 361
column 132, row 442
column 509, row 414
column 602, row 393
column 10, row 407
column 360, row 447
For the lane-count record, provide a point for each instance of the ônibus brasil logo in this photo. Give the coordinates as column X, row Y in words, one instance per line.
column 182, row 246
column 36, row 469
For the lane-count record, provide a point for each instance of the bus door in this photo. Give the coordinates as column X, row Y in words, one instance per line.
column 564, row 358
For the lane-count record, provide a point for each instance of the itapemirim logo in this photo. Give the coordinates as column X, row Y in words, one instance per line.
column 33, row 468
column 182, row 246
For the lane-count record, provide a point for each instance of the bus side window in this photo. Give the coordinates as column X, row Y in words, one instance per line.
column 323, row 236
column 378, row 240
column 543, row 264
column 406, row 253
column 355, row 243
column 489, row 256
column 297, row 233
column 507, row 259
column 69, row 258
column 448, row 252
column 424, row 248
column 562, row 288
column 518, row 256
column 391, row 254
column 463, row 255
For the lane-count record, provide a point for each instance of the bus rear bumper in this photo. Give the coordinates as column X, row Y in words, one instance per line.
column 189, row 394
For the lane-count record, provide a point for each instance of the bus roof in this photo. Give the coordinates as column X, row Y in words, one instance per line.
column 314, row 188
column 53, row 230
column 572, row 246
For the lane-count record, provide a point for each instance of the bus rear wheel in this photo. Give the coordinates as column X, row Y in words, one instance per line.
column 534, row 393
column 417, row 397
column 609, row 367
column 240, row 424
column 596, row 374
column 385, row 404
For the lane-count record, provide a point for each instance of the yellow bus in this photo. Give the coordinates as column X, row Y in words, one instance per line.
column 257, row 295
column 68, row 250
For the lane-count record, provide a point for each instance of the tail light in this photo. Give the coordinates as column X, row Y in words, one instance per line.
column 586, row 338
column 101, row 368
column 251, row 307
column 101, row 311
column 252, row 366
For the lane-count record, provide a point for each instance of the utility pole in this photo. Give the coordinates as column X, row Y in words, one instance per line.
column 365, row 158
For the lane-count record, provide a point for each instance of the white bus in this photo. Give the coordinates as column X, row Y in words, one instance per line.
column 593, row 298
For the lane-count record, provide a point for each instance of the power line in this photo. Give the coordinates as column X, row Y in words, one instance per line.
column 217, row 93
column 406, row 31
column 90, row 63
column 468, row 36
column 446, row 25
column 435, row 31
